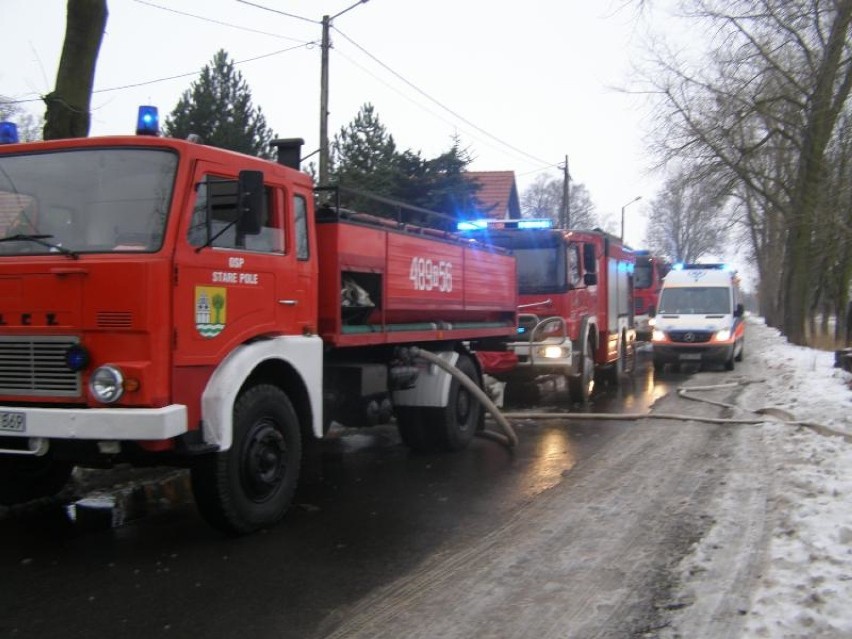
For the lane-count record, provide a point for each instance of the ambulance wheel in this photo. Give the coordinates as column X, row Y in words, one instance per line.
column 580, row 386
column 23, row 479
column 251, row 485
column 448, row 428
column 730, row 363
column 741, row 354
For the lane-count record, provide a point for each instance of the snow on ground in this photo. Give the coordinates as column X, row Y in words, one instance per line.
column 805, row 589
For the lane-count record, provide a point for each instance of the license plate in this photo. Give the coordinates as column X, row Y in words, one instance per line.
column 13, row 422
column 690, row 356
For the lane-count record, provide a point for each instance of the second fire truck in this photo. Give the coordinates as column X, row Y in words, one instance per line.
column 575, row 306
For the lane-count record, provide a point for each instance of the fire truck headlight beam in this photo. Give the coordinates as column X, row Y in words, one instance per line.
column 552, row 352
column 106, row 384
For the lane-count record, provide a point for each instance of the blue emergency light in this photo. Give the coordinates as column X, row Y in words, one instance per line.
column 9, row 133
column 544, row 223
column 502, row 224
column 148, row 121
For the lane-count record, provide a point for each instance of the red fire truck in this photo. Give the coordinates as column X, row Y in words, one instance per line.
column 647, row 282
column 576, row 306
column 166, row 302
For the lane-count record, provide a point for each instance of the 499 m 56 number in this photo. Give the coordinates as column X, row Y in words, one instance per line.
column 13, row 422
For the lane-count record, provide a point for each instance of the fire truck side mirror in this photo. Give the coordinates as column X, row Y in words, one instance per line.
column 652, row 312
column 250, row 198
column 590, row 279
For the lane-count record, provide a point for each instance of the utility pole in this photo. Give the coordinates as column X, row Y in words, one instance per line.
column 323, row 152
column 565, row 213
column 326, row 45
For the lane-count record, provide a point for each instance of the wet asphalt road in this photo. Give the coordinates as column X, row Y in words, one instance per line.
column 367, row 512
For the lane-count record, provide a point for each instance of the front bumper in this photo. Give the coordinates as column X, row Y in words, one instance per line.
column 680, row 353
column 112, row 424
column 532, row 363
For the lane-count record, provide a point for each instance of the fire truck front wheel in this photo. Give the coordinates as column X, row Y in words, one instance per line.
column 449, row 428
column 580, row 386
column 251, row 485
column 25, row 478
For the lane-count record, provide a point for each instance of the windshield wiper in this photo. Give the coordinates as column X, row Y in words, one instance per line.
column 41, row 239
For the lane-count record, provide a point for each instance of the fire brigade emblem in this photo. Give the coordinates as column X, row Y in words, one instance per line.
column 211, row 305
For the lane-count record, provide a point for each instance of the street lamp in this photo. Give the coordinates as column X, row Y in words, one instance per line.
column 635, row 199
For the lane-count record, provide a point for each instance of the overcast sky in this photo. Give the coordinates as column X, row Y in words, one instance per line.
column 522, row 83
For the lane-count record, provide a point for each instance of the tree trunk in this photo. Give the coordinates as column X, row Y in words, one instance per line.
column 67, row 114
column 825, row 103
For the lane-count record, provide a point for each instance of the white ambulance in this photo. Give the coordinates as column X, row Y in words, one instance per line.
column 699, row 317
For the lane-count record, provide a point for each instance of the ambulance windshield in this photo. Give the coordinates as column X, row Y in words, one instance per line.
column 85, row 200
column 695, row 300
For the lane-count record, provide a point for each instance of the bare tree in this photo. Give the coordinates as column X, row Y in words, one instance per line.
column 687, row 220
column 543, row 199
column 764, row 112
column 68, row 104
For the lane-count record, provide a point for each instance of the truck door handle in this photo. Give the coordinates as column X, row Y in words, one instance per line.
column 288, row 302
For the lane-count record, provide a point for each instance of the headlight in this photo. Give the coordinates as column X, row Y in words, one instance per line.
column 658, row 336
column 106, row 384
column 551, row 352
column 724, row 335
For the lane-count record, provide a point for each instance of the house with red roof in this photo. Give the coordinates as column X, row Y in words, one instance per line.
column 498, row 193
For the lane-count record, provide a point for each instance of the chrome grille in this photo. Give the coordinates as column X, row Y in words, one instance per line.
column 36, row 366
column 691, row 337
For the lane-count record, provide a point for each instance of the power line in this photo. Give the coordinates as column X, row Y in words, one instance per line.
column 446, row 108
column 283, row 13
column 174, row 77
column 425, row 108
column 219, row 22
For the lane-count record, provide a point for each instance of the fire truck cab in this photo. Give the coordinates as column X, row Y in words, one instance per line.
column 575, row 305
column 647, row 282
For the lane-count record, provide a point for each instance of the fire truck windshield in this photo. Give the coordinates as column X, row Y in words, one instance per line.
column 85, row 200
column 540, row 270
column 643, row 274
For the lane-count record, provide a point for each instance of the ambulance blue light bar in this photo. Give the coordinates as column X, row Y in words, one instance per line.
column 148, row 121
column 494, row 225
column 715, row 266
column 9, row 133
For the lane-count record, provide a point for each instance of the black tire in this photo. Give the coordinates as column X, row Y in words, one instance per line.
column 616, row 371
column 449, row 428
column 24, row 478
column 729, row 363
column 659, row 365
column 580, row 386
column 250, row 486
column 741, row 354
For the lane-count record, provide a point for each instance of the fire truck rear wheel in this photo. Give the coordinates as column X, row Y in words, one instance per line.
column 251, row 485
column 616, row 371
column 580, row 386
column 449, row 428
column 23, row 479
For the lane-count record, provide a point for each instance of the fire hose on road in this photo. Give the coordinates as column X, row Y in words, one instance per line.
column 510, row 439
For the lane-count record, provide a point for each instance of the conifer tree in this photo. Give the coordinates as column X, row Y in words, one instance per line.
column 218, row 108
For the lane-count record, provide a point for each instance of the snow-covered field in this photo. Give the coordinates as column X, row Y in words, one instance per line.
column 805, row 586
